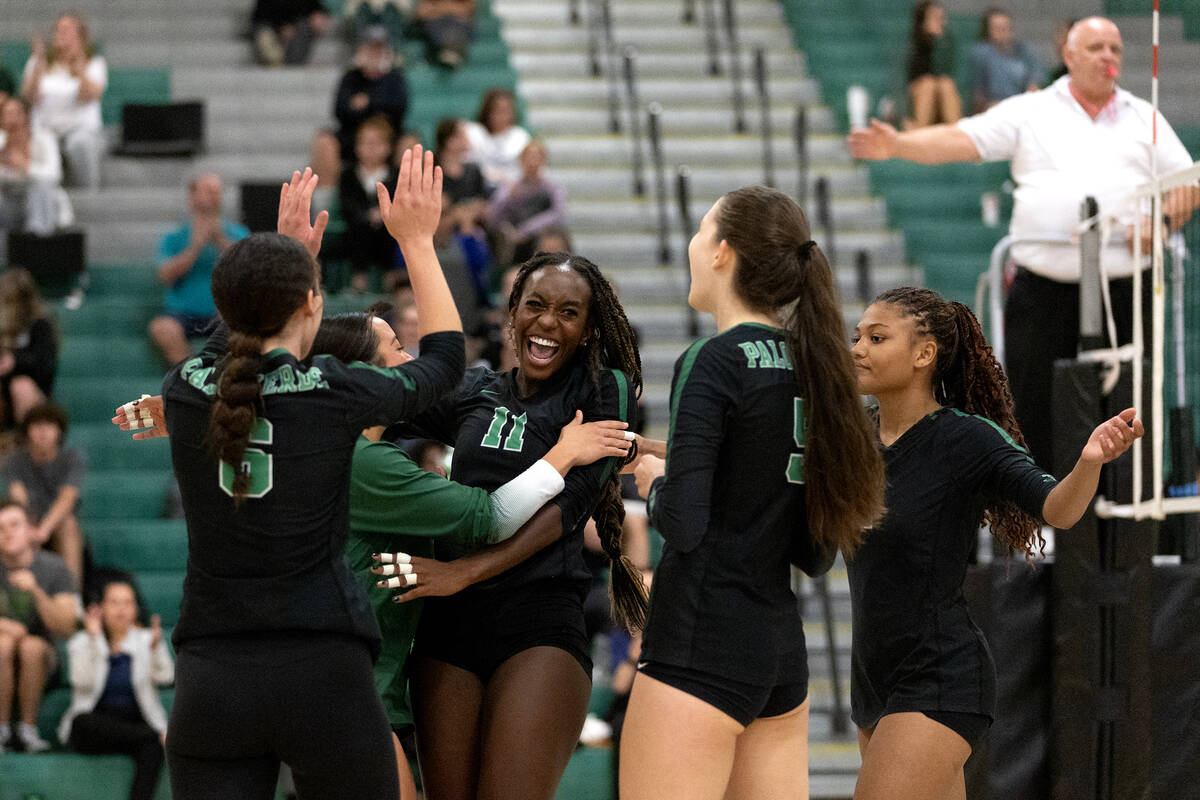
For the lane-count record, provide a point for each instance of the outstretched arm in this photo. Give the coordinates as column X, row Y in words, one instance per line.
column 1067, row 501
column 936, row 144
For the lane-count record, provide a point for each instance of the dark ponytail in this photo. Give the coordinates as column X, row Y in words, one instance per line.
column 257, row 285
column 781, row 271
column 611, row 344
column 967, row 376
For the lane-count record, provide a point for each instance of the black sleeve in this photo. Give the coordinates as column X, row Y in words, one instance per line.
column 702, row 394
column 353, row 200
column 440, row 421
column 994, row 465
column 381, row 396
column 39, row 358
column 613, row 399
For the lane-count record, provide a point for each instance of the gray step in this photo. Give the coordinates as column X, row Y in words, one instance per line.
column 678, row 121
column 639, row 12
column 679, row 39
column 300, row 83
column 607, row 250
column 712, row 151
column 662, row 65
column 850, row 214
column 703, row 92
column 617, row 181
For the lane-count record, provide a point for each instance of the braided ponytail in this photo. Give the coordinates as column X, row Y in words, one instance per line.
column 258, row 284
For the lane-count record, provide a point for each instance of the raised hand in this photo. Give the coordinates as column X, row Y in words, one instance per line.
column 155, row 631
column 874, row 143
column 1112, row 437
column 92, row 620
column 295, row 207
column 413, row 212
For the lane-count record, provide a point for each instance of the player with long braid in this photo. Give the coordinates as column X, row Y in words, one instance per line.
column 770, row 460
column 501, row 674
column 923, row 685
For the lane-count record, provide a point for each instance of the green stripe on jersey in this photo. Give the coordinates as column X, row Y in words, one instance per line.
column 999, row 430
column 685, row 369
column 622, row 414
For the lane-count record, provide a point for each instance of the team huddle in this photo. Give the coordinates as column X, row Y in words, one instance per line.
column 305, row 522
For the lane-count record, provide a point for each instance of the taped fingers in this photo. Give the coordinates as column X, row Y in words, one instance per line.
column 398, row 582
column 392, row 558
column 395, row 569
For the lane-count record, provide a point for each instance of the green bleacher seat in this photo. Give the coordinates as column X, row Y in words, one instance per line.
column 14, row 54
column 110, row 315
column 158, row 545
column 109, row 448
column 123, row 280
column 125, row 494
column 162, row 591
column 134, row 85
column 84, row 355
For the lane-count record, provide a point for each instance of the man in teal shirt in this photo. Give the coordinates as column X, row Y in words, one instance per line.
column 186, row 257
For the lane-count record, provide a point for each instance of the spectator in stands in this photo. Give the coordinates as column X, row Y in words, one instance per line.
column 524, row 209
column 64, row 86
column 373, row 86
column 496, row 139
column 933, row 97
column 392, row 15
column 1001, row 66
column 368, row 243
column 46, row 478
column 1079, row 136
column 405, row 141
column 39, row 602
column 31, row 197
column 285, row 30
column 464, row 207
column 447, row 26
column 28, row 346
column 554, row 239
column 114, row 667
column 186, row 257
column 1060, row 41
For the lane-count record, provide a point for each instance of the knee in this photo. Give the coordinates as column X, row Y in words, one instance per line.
column 8, row 648
column 165, row 329
column 25, row 387
column 32, row 650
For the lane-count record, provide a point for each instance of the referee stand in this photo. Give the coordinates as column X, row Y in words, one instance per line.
column 1098, row 661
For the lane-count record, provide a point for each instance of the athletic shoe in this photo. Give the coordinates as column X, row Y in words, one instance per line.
column 28, row 734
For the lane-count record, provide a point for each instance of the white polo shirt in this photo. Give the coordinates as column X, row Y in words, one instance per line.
column 1061, row 155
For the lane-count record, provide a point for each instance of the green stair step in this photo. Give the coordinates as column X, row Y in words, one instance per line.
column 93, row 399
column 89, row 355
column 162, row 591
column 954, row 276
column 140, row 545
column 134, row 85
column 109, row 448
column 125, row 494
column 935, row 236
column 122, row 280
column 106, row 316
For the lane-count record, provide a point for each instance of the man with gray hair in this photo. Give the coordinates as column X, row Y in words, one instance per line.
column 1081, row 136
column 186, row 257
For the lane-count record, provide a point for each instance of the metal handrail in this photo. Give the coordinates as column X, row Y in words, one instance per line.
column 866, row 282
column 689, row 12
column 800, row 135
column 595, row 66
column 610, row 68
column 824, row 216
column 634, row 106
column 735, row 68
column 654, row 116
column 990, row 286
column 764, row 103
column 838, row 718
column 683, row 185
column 573, row 15
column 711, row 41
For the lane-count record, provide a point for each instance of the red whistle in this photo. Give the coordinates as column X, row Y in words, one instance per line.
column 1110, row 72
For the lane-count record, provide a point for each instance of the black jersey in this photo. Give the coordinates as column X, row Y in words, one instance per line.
column 915, row 647
column 728, row 507
column 497, row 434
column 278, row 563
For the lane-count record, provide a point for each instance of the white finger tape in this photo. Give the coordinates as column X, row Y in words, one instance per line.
column 398, row 582
column 629, row 435
column 395, row 558
column 135, row 423
column 395, row 569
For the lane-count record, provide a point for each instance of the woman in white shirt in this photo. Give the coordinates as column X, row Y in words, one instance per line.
column 64, row 87
column 30, row 173
column 114, row 668
column 496, row 139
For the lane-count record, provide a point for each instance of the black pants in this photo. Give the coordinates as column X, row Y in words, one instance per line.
column 244, row 704
column 99, row 733
column 1041, row 326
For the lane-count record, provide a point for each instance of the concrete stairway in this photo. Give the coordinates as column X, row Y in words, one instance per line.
column 568, row 107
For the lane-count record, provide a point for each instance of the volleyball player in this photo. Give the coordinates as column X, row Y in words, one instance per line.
column 275, row 638
column 923, row 684
column 501, row 672
column 769, row 451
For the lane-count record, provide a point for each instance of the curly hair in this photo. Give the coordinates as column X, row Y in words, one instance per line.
column 781, row 271
column 612, row 344
column 967, row 376
column 257, row 285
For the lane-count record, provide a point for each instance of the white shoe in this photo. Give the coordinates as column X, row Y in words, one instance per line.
column 28, row 734
column 596, row 732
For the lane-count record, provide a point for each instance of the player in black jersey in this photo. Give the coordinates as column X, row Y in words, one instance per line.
column 501, row 672
column 923, row 681
column 770, row 453
column 275, row 637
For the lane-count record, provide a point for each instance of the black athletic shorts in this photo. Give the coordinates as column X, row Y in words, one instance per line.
column 969, row 725
column 745, row 702
column 243, row 704
column 478, row 632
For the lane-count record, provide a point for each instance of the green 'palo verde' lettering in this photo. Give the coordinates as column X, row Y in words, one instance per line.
column 767, row 354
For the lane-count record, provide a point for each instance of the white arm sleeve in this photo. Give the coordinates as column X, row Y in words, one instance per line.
column 516, row 501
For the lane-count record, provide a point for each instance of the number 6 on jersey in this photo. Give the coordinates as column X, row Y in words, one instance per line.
column 795, row 467
column 258, row 463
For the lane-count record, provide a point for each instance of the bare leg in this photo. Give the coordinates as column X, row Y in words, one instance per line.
column 8, row 655
column 25, row 395
column 447, row 706
column 67, row 541
column 949, row 103
column 910, row 757
column 675, row 745
column 167, row 334
column 771, row 760
column 534, row 708
column 923, row 95
column 408, row 787
column 33, row 654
